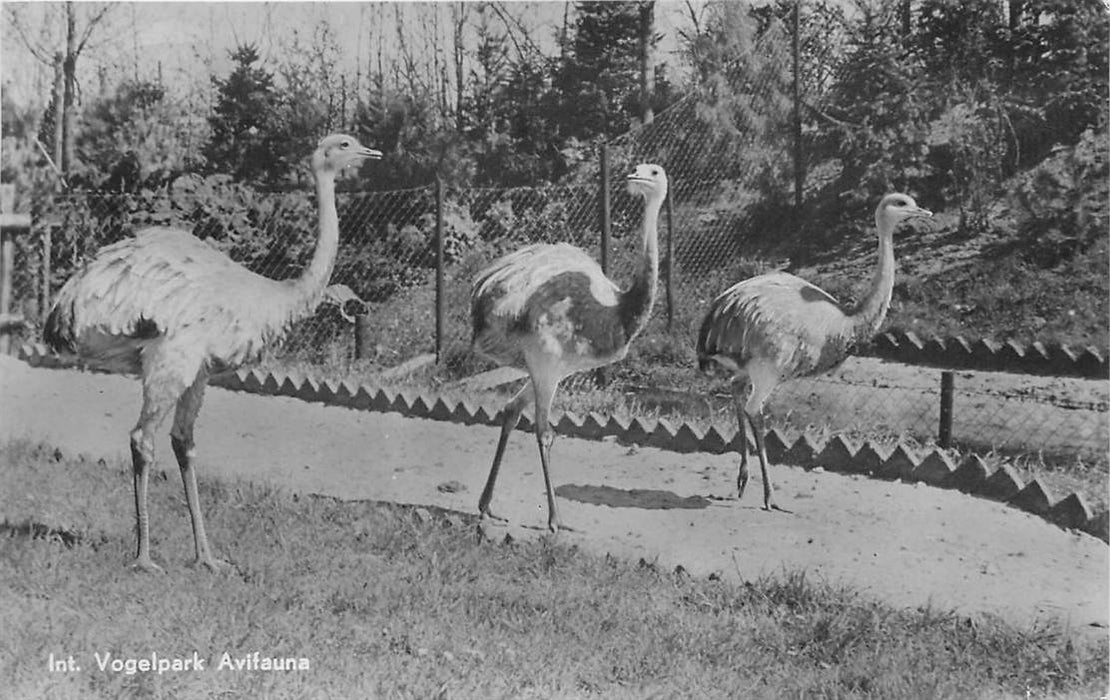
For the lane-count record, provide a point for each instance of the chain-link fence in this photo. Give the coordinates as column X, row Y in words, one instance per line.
column 388, row 258
column 733, row 154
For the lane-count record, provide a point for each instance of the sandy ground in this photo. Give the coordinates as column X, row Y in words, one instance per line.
column 906, row 544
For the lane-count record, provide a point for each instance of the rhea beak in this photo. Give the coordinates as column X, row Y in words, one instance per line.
column 919, row 213
column 369, row 153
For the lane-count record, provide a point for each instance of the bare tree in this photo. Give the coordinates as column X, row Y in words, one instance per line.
column 518, row 33
column 59, row 101
column 64, row 26
column 647, row 70
column 459, row 17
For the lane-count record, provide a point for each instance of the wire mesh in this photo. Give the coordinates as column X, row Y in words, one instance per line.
column 387, row 257
column 728, row 150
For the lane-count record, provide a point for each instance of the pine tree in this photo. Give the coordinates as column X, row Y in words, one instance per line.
column 600, row 79
column 244, row 137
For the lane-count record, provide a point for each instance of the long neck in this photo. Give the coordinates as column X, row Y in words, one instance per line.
column 315, row 278
column 294, row 299
column 636, row 302
column 868, row 316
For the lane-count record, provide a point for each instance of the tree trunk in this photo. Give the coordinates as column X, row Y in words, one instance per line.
column 59, row 108
column 647, row 71
column 69, row 66
column 1017, row 7
column 795, row 50
column 459, row 56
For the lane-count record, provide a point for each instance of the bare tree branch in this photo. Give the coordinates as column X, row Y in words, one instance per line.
column 41, row 53
column 510, row 22
column 93, row 21
column 693, row 18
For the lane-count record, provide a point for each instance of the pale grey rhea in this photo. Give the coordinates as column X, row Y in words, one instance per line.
column 550, row 310
column 775, row 327
column 173, row 309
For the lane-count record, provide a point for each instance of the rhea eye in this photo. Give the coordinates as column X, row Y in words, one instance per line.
column 345, row 144
column 655, row 171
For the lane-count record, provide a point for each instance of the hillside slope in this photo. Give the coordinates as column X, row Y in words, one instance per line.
column 949, row 285
column 1040, row 272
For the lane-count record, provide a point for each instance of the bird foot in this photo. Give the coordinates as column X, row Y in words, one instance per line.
column 770, row 505
column 556, row 526
column 146, row 566
column 484, row 531
column 214, row 565
column 486, row 521
column 488, row 514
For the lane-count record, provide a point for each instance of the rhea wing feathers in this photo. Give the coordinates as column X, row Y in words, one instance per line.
column 166, row 282
column 510, row 280
column 776, row 315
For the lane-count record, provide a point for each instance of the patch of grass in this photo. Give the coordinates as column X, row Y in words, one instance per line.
column 389, row 601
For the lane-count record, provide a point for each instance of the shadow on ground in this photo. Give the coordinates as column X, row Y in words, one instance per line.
column 648, row 499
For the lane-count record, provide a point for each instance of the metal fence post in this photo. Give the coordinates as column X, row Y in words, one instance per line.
column 47, row 292
column 947, row 389
column 10, row 225
column 601, row 377
column 799, row 174
column 7, row 252
column 606, row 221
column 441, row 293
column 668, row 271
column 363, row 337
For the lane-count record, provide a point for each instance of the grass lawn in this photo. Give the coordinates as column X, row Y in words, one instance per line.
column 390, row 601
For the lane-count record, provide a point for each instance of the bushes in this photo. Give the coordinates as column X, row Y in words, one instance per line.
column 1061, row 204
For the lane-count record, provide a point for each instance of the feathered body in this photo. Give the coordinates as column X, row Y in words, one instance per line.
column 556, row 296
column 167, row 286
column 783, row 319
column 549, row 309
column 774, row 327
column 174, row 309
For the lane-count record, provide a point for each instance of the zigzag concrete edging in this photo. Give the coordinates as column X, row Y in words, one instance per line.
column 837, row 454
column 958, row 353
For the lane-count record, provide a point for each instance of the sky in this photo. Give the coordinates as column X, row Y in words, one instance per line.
column 184, row 39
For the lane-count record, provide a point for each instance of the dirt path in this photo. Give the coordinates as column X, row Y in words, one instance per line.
column 906, row 544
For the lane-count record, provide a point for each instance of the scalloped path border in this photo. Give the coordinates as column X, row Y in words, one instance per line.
column 933, row 467
column 958, row 353
column 902, row 464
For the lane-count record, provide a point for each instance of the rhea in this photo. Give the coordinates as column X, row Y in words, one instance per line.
column 774, row 327
column 174, row 310
column 550, row 310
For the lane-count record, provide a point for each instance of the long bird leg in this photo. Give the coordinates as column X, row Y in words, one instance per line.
column 156, row 405
column 763, row 380
column 142, row 456
column 738, row 391
column 757, row 424
column 545, row 436
column 181, row 437
column 509, row 417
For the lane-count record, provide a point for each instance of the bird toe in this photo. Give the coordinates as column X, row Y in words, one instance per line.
column 488, row 514
column 558, row 526
column 214, row 565
column 146, row 566
column 772, row 506
column 485, row 531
